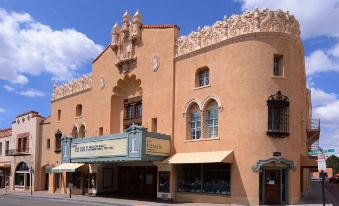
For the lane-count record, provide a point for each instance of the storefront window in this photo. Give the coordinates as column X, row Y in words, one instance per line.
column 164, row 181
column 19, row 179
column 76, row 179
column 204, row 178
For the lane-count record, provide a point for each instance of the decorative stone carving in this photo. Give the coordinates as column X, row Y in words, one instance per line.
column 72, row 87
column 155, row 63
column 249, row 22
column 128, row 87
column 124, row 41
column 102, row 82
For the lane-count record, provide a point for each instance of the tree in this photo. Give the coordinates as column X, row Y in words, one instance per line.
column 333, row 162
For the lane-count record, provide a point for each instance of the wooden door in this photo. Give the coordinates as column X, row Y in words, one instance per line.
column 273, row 186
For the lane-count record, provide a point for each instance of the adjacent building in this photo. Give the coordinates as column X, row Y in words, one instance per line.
column 222, row 115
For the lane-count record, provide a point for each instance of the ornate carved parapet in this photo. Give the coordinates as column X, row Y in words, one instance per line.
column 124, row 41
column 249, row 22
column 72, row 87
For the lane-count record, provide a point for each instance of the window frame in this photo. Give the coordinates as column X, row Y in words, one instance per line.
column 195, row 125
column 278, row 66
column 278, row 115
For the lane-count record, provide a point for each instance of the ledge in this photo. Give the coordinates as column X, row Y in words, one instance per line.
column 278, row 77
column 202, row 87
column 202, row 139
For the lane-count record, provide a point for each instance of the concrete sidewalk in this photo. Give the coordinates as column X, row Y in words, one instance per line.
column 314, row 196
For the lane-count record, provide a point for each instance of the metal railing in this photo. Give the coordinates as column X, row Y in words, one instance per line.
column 314, row 124
column 17, row 152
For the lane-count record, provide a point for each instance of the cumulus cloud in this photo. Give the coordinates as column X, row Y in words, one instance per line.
column 321, row 98
column 2, row 110
column 316, row 17
column 8, row 88
column 323, row 60
column 32, row 93
column 30, row 47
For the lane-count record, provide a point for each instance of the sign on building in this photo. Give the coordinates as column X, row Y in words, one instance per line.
column 158, row 147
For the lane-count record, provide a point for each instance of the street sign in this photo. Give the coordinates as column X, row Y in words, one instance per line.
column 321, row 161
column 315, row 152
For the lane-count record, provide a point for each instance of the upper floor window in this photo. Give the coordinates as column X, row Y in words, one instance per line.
column 212, row 119
column 22, row 144
column 59, row 114
column 133, row 111
column 75, row 132
column 203, row 77
column 58, row 136
column 0, row 148
column 48, row 143
column 195, row 122
column 278, row 115
column 7, row 148
column 278, row 65
column 78, row 111
column 82, row 131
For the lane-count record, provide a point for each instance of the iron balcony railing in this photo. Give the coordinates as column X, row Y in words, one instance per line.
column 17, row 152
column 314, row 124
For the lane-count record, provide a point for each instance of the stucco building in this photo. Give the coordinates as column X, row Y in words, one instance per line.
column 222, row 115
column 20, row 153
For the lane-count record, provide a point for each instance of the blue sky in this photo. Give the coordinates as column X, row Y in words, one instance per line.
column 42, row 42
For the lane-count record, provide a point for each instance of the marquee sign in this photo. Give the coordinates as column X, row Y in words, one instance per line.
column 113, row 147
column 158, row 147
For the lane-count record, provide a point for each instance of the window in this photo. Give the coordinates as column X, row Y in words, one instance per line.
column 0, row 148
column 75, row 178
column 7, row 148
column 82, row 131
column 101, row 131
column 59, row 114
column 78, row 110
column 278, row 115
column 195, row 122
column 212, row 119
column 23, row 144
column 154, row 125
column 48, row 143
column 75, row 132
column 132, row 112
column 58, row 136
column 211, row 178
column 202, row 77
column 278, row 65
column 164, row 181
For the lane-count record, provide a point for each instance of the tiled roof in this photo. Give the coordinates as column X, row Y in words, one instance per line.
column 5, row 132
column 159, row 26
column 23, row 114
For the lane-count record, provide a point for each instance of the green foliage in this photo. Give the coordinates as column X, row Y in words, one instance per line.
column 333, row 162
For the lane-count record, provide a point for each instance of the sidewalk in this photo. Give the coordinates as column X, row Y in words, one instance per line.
column 333, row 193
column 99, row 200
column 314, row 196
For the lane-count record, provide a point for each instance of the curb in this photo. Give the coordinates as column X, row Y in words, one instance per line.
column 65, row 199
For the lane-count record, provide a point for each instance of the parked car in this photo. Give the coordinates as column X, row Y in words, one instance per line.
column 334, row 179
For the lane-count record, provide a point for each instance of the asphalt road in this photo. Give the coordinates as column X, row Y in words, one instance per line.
column 29, row 201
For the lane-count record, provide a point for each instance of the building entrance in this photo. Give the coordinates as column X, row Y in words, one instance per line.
column 137, row 181
column 272, row 186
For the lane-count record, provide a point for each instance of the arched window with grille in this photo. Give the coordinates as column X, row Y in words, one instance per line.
column 75, row 132
column 212, row 115
column 195, row 122
column 278, row 125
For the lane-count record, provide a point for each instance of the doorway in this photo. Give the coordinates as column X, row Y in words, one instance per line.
column 273, row 186
column 138, row 182
column 46, row 181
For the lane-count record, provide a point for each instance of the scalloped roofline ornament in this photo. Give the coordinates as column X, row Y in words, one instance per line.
column 265, row 20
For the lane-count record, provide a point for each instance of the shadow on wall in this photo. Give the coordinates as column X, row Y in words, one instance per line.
column 238, row 192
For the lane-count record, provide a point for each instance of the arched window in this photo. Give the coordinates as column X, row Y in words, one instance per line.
column 202, row 77
column 78, row 112
column 195, row 122
column 22, row 176
column 82, row 131
column 212, row 115
column 75, row 132
column 278, row 115
column 22, row 167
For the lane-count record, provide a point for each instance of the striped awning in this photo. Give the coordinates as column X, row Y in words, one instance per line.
column 66, row 167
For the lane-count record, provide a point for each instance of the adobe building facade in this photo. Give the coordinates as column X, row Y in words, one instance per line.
column 222, row 115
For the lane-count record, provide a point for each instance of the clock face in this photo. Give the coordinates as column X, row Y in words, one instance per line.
column 155, row 63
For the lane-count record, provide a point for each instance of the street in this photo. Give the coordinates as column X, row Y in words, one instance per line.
column 29, row 201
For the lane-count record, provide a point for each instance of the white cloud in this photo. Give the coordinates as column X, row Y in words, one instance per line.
column 321, row 98
column 8, row 88
column 32, row 93
column 2, row 110
column 29, row 47
column 316, row 17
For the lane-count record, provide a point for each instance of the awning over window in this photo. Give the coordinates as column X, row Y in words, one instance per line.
column 66, row 167
column 201, row 157
column 307, row 162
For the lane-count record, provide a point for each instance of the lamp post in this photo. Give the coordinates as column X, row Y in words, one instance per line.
column 31, row 171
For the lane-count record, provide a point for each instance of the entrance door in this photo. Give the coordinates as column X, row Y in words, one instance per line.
column 272, row 186
column 139, row 182
column 46, row 181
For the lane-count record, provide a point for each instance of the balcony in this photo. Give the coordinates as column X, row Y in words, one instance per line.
column 17, row 152
column 313, row 131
